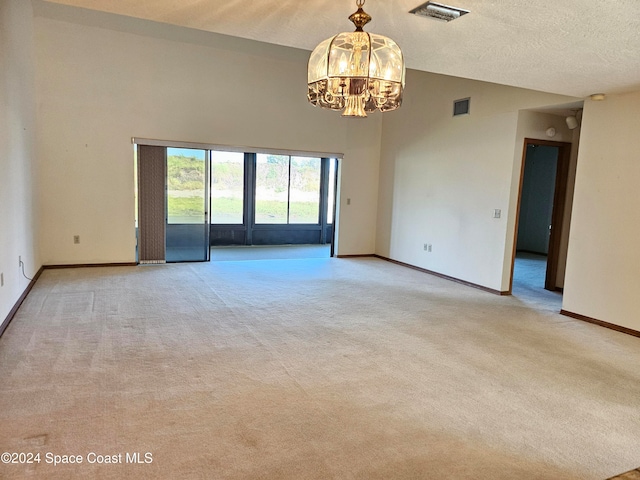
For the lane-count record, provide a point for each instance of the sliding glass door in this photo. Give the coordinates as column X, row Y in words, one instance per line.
column 187, row 220
column 191, row 198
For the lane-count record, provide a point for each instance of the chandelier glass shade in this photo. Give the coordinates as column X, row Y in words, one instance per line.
column 356, row 72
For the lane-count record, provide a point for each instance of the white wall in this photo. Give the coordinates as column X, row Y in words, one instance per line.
column 603, row 262
column 103, row 79
column 17, row 127
column 442, row 177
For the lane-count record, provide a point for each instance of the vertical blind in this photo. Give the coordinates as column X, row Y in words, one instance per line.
column 152, row 173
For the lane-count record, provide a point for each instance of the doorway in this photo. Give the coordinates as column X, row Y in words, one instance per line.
column 541, row 205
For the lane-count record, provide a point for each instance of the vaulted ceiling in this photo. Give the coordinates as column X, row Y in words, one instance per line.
column 570, row 47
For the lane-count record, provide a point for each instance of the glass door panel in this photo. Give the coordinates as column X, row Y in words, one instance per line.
column 227, row 188
column 187, row 233
column 272, row 189
column 304, row 196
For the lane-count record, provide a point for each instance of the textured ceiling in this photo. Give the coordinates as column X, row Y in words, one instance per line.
column 570, row 47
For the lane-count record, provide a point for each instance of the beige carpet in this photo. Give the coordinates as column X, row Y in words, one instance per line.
column 309, row 369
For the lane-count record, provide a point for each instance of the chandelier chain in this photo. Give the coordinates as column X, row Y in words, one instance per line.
column 360, row 3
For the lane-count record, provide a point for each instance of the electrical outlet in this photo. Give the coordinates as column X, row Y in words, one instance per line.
column 426, row 247
column 1, row 279
column 76, row 239
column 497, row 213
column 429, row 247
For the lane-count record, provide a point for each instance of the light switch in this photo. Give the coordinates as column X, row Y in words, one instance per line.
column 496, row 213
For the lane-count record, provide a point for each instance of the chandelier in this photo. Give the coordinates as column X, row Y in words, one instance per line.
column 356, row 72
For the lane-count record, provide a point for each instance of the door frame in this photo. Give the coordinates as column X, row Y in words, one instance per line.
column 557, row 215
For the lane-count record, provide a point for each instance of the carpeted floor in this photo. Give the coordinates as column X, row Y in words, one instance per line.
column 317, row 368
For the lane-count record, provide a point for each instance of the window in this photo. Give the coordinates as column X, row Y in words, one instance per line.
column 287, row 189
column 227, row 187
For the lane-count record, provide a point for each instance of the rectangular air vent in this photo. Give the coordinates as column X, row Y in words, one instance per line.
column 439, row 11
column 461, row 107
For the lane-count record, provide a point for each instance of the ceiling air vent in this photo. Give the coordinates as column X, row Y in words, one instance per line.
column 439, row 11
column 461, row 107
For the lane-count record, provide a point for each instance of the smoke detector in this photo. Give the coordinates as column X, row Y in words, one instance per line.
column 439, row 11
